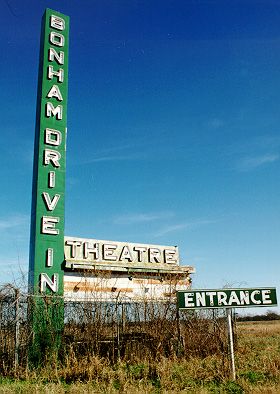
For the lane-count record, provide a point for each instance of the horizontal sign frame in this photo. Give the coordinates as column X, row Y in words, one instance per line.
column 227, row 298
column 114, row 253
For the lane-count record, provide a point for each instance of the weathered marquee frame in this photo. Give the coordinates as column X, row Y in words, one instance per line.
column 97, row 270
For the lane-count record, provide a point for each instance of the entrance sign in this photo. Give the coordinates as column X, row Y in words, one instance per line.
column 227, row 298
column 47, row 216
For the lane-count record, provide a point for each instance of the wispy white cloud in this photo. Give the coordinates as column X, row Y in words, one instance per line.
column 9, row 263
column 14, row 221
column 216, row 123
column 100, row 159
column 14, row 270
column 267, row 141
column 181, row 226
column 136, row 218
column 122, row 152
column 251, row 163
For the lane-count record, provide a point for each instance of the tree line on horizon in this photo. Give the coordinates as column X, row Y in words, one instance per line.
column 264, row 317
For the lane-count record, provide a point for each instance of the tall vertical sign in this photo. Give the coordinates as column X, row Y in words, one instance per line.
column 47, row 216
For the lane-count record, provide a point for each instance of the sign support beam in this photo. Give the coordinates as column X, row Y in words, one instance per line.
column 231, row 342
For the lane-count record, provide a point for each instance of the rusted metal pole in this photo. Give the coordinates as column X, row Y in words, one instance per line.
column 230, row 341
column 17, row 323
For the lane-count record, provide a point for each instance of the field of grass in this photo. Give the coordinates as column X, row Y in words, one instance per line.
column 257, row 357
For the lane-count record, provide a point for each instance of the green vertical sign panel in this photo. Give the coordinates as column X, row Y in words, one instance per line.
column 47, row 216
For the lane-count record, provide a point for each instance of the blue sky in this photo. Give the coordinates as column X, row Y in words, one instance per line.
column 173, row 131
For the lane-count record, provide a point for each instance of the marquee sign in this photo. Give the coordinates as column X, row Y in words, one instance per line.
column 227, row 298
column 109, row 271
column 47, row 217
column 86, row 252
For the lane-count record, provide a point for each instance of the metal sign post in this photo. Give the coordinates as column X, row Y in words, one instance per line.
column 231, row 342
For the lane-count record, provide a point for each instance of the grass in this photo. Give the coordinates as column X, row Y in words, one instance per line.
column 257, row 363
